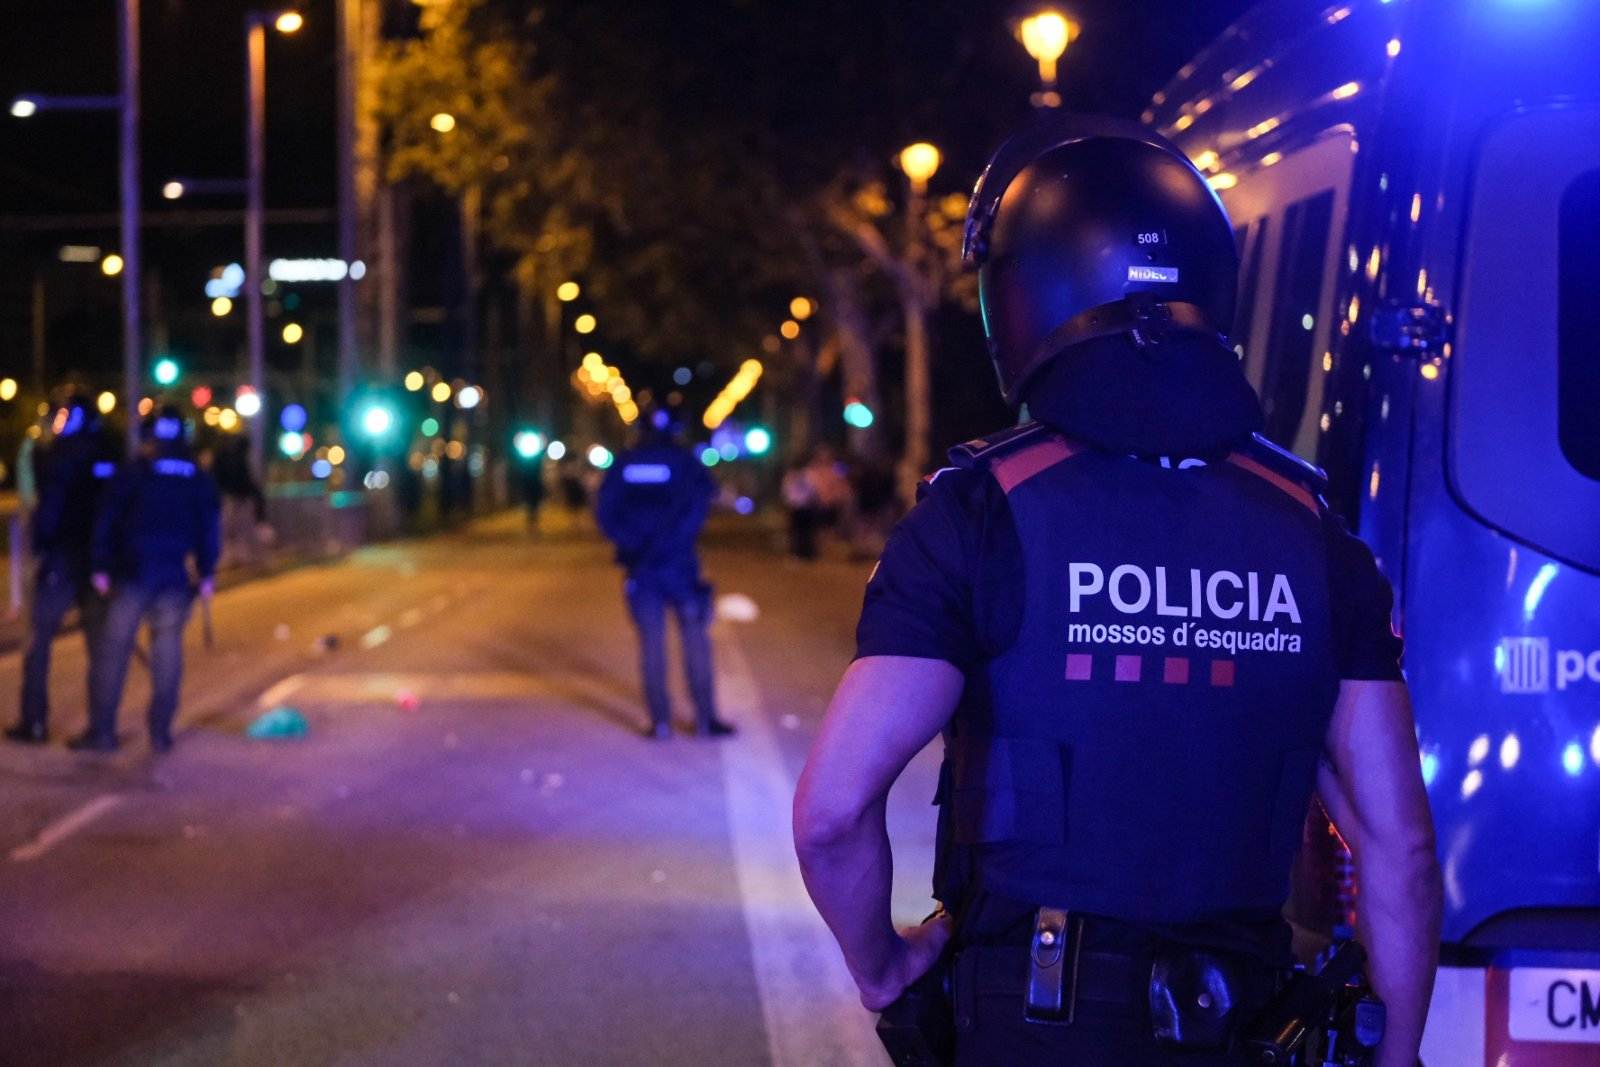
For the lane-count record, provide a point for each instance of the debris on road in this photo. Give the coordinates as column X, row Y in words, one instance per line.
column 737, row 607
column 279, row 723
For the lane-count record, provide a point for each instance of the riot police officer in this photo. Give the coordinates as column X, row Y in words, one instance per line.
column 1146, row 642
column 159, row 515
column 651, row 506
column 69, row 473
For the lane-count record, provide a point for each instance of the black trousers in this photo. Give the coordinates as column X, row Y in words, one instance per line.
column 648, row 604
column 54, row 594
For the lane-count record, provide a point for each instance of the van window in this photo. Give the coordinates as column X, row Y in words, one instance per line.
column 1578, row 333
column 1252, row 245
column 1522, row 449
column 1294, row 315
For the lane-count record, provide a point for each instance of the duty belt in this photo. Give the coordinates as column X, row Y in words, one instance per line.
column 1190, row 997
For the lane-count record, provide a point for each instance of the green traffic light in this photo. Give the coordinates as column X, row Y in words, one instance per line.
column 376, row 420
column 165, row 371
column 757, row 440
column 528, row 443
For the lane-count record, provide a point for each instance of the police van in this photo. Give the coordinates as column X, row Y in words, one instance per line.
column 1415, row 187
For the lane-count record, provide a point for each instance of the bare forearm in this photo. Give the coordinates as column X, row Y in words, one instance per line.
column 1399, row 913
column 849, row 873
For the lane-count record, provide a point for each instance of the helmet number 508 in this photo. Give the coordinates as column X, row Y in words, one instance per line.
column 1153, row 237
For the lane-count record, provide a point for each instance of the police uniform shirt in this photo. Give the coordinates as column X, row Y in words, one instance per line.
column 950, row 586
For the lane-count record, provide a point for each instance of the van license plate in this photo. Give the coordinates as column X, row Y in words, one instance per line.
column 1550, row 1004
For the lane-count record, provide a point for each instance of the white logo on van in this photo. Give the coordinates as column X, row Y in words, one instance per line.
column 1525, row 666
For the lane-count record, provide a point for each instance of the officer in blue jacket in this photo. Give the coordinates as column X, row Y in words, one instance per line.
column 158, row 519
column 651, row 506
column 1146, row 642
column 69, row 472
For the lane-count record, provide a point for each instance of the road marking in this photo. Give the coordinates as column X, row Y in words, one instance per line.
column 809, row 1003
column 58, row 831
column 280, row 691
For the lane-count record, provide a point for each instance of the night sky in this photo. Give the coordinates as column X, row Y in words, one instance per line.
column 831, row 78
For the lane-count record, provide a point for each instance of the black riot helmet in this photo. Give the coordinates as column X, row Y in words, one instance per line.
column 1085, row 227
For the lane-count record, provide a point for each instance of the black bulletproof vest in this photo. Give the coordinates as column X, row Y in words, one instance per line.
column 1147, row 747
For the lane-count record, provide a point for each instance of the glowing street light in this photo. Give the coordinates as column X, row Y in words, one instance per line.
column 441, row 392
column 106, row 402
column 469, row 397
column 376, row 420
column 414, row 381
column 247, row 402
column 584, row 323
column 292, row 333
column 221, row 306
column 790, row 329
column 8, row 388
column 919, row 162
column 172, row 190
column 567, row 292
column 288, row 22
column 112, row 265
column 801, row 308
column 1045, row 36
column 443, row 122
column 24, row 107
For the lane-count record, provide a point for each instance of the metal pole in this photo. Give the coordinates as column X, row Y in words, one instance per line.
column 349, row 32
column 132, row 356
column 41, row 326
column 254, row 122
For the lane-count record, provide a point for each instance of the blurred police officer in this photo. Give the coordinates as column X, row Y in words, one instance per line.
column 1146, row 642
column 68, row 474
column 651, row 506
column 159, row 516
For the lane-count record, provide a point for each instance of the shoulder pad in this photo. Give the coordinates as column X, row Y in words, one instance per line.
column 985, row 449
column 1285, row 463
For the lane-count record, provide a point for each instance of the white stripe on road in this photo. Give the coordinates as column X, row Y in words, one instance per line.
column 281, row 691
column 58, row 831
column 812, row 1011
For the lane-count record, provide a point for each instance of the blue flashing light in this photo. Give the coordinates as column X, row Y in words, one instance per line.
column 1536, row 588
column 292, row 417
column 321, row 469
column 1572, row 759
column 858, row 415
column 165, row 371
column 744, row 505
column 710, row 456
column 757, row 440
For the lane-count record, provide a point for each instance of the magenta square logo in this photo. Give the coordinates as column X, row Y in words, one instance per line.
column 1175, row 671
column 1222, row 672
column 1129, row 668
column 1080, row 667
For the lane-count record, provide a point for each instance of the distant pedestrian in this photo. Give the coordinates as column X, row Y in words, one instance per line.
column 244, row 505
column 531, row 484
column 66, row 476
column 652, row 506
column 159, row 514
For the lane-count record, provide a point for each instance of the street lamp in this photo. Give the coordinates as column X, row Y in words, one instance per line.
column 255, row 115
column 126, row 104
column 1045, row 36
column 567, row 292
column 919, row 162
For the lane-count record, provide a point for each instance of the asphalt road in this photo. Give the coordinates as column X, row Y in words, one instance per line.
column 471, row 858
